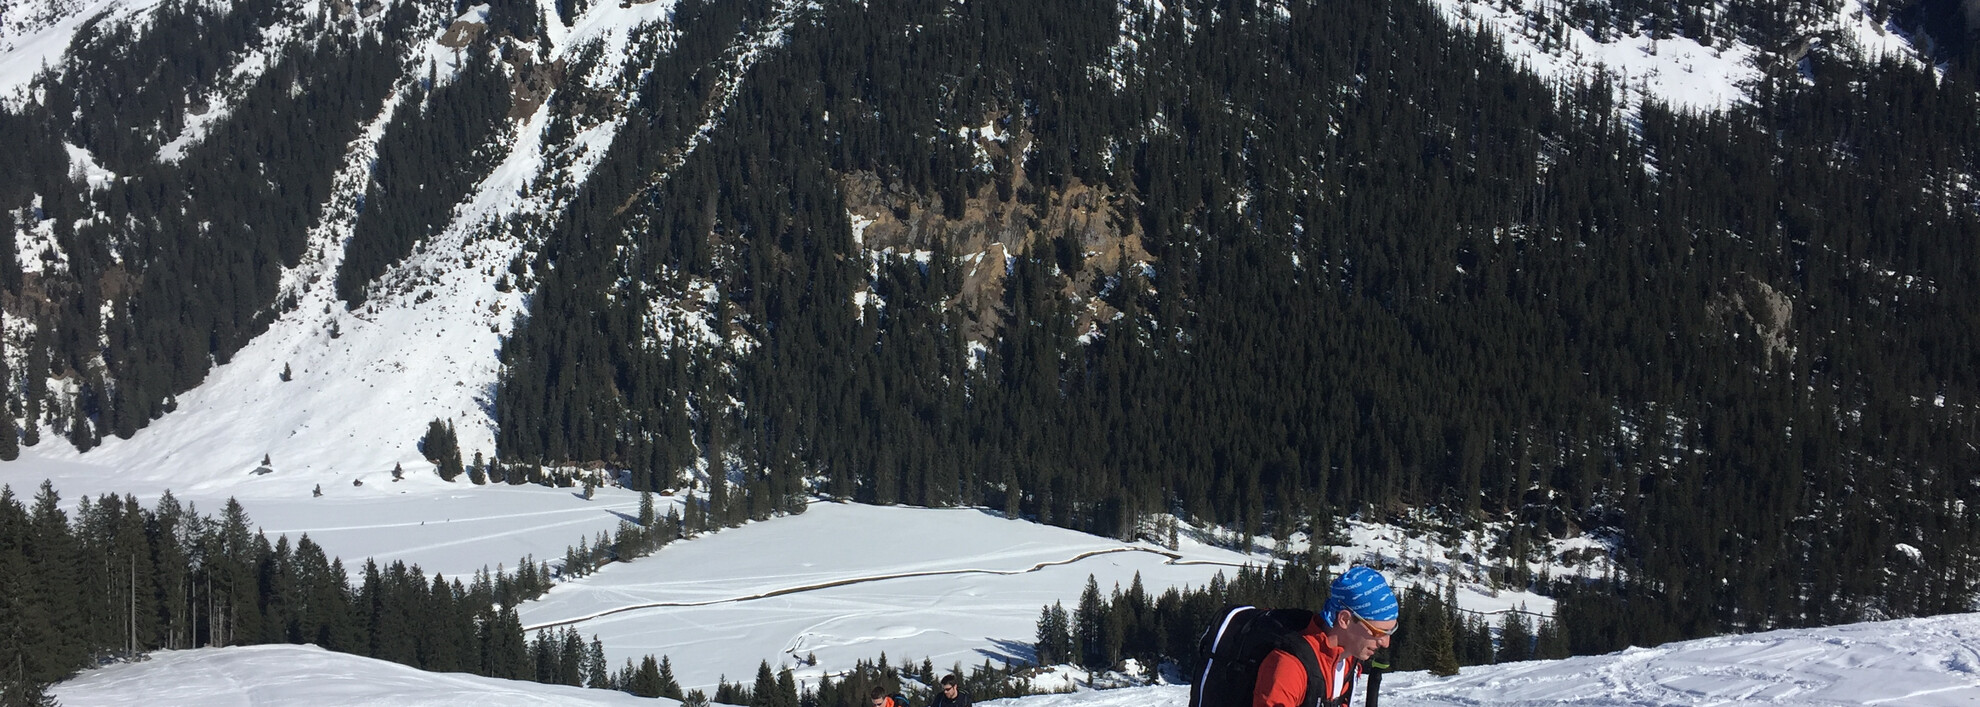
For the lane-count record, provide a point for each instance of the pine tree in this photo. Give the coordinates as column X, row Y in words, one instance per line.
column 597, row 673
column 1047, row 645
column 1087, row 627
column 668, row 686
column 1515, row 638
column 10, row 443
column 1549, row 642
column 646, row 681
column 1442, row 648
column 764, row 693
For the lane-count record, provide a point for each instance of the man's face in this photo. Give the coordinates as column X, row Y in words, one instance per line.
column 879, row 702
column 949, row 691
column 1361, row 637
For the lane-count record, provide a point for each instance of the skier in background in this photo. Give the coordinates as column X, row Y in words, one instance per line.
column 950, row 694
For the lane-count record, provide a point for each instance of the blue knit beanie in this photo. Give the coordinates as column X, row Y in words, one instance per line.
column 1364, row 592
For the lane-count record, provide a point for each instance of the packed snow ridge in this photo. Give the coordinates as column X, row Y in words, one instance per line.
column 1917, row 662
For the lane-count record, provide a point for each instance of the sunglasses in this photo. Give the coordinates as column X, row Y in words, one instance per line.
column 1376, row 632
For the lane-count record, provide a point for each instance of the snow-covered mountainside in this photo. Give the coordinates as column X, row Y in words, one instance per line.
column 1916, row 662
column 1514, row 292
column 341, row 395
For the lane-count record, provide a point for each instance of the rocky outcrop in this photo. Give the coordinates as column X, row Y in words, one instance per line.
column 1000, row 221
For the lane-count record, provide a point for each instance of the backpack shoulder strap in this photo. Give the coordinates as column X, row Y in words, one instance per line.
column 1316, row 683
column 1353, row 669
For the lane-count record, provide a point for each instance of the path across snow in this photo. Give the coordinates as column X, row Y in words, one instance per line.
column 848, row 582
column 1173, row 558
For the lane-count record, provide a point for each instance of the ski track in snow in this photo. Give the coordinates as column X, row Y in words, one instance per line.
column 1173, row 559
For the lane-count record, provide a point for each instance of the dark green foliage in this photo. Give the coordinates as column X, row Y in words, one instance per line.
column 1054, row 643
column 120, row 579
column 439, row 144
column 1388, row 270
column 1132, row 624
column 1435, row 634
column 1440, row 653
column 442, row 447
column 668, row 687
column 174, row 266
column 1515, row 639
column 1385, row 270
column 646, row 681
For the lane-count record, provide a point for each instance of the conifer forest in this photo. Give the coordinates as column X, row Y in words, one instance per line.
column 1262, row 265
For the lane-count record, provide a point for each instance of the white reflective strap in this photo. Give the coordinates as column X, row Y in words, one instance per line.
column 1211, row 660
column 1340, row 678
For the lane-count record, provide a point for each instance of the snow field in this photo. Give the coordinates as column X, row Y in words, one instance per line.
column 1927, row 662
column 848, row 582
column 304, row 676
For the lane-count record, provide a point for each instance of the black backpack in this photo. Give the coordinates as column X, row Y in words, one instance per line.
column 1237, row 641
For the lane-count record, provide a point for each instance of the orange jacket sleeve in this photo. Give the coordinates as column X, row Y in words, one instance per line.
column 1281, row 682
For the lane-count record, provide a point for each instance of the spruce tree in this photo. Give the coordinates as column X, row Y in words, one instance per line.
column 1442, row 644
column 1087, row 627
column 1515, row 639
column 764, row 692
column 646, row 681
column 1549, row 642
column 669, row 687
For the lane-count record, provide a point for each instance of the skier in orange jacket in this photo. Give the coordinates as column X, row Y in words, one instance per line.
column 1360, row 615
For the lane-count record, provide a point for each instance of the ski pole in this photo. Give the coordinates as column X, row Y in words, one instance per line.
column 1375, row 670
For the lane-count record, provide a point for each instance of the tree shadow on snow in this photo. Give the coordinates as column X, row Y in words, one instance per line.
column 1012, row 652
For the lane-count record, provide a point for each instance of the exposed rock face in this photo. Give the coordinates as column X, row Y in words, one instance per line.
column 531, row 83
column 1749, row 304
column 998, row 222
column 462, row 33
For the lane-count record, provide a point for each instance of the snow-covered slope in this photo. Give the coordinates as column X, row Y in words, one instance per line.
column 1918, row 662
column 307, row 675
column 362, row 385
column 365, row 383
column 1676, row 70
column 849, row 582
column 34, row 34
column 452, row 529
column 842, row 581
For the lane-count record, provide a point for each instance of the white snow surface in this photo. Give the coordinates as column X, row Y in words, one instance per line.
column 849, row 582
column 304, row 676
column 452, row 529
column 364, row 383
column 36, row 33
column 1917, row 662
column 1676, row 70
